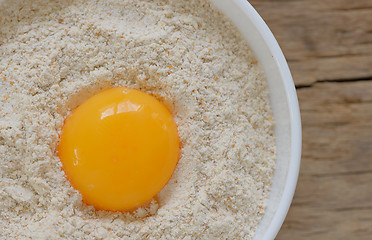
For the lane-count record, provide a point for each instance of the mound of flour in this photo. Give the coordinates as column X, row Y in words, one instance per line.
column 56, row 54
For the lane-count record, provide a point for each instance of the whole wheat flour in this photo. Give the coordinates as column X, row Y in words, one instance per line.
column 56, row 54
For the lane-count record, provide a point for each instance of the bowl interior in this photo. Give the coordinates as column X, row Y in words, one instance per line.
column 284, row 105
column 285, row 108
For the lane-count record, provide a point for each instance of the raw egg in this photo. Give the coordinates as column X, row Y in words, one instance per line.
column 119, row 149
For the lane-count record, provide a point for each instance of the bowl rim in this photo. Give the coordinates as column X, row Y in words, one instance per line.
column 294, row 115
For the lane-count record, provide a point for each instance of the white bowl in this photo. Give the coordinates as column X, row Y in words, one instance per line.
column 284, row 104
column 285, row 108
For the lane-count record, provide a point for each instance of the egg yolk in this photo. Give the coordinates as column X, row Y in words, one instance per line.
column 119, row 149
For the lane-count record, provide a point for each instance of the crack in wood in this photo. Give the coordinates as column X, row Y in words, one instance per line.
column 348, row 9
column 341, row 174
column 340, row 80
column 344, row 209
column 314, row 56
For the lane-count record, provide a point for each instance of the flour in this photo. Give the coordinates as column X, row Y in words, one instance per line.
column 56, row 54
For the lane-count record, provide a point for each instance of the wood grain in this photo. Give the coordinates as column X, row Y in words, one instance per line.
column 333, row 196
column 322, row 39
column 328, row 44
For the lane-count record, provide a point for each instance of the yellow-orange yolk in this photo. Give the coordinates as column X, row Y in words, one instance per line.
column 119, row 149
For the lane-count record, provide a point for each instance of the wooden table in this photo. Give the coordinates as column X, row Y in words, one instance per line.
column 328, row 44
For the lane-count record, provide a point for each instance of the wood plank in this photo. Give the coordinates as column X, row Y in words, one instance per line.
column 308, row 71
column 322, row 39
column 333, row 196
column 337, row 127
column 307, row 223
